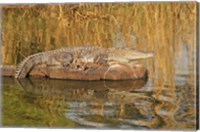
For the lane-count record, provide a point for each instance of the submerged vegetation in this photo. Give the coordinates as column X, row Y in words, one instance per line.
column 25, row 110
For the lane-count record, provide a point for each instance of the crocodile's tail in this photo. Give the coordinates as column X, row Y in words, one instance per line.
column 28, row 63
column 40, row 58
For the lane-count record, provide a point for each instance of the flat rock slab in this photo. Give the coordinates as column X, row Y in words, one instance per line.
column 8, row 71
column 114, row 72
column 95, row 72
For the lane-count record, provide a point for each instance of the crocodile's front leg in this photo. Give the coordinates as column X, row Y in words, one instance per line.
column 39, row 71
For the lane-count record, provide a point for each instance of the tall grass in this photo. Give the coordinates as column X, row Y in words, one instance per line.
column 28, row 29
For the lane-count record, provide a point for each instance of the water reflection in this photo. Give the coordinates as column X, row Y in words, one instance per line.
column 107, row 104
column 117, row 104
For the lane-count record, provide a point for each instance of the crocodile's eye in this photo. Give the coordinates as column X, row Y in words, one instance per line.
column 137, row 66
column 68, row 57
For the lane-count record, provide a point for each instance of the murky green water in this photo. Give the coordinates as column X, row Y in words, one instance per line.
column 102, row 104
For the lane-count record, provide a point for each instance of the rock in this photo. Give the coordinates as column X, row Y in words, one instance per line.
column 113, row 72
column 8, row 71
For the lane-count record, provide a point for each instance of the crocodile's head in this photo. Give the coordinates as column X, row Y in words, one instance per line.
column 128, row 55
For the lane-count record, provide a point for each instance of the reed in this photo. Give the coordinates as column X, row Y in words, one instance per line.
column 159, row 27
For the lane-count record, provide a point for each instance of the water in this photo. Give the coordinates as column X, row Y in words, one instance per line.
column 97, row 104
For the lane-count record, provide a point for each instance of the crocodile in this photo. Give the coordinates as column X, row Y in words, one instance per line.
column 85, row 63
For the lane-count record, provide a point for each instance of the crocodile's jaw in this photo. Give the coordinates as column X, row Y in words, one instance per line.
column 121, row 55
column 140, row 56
